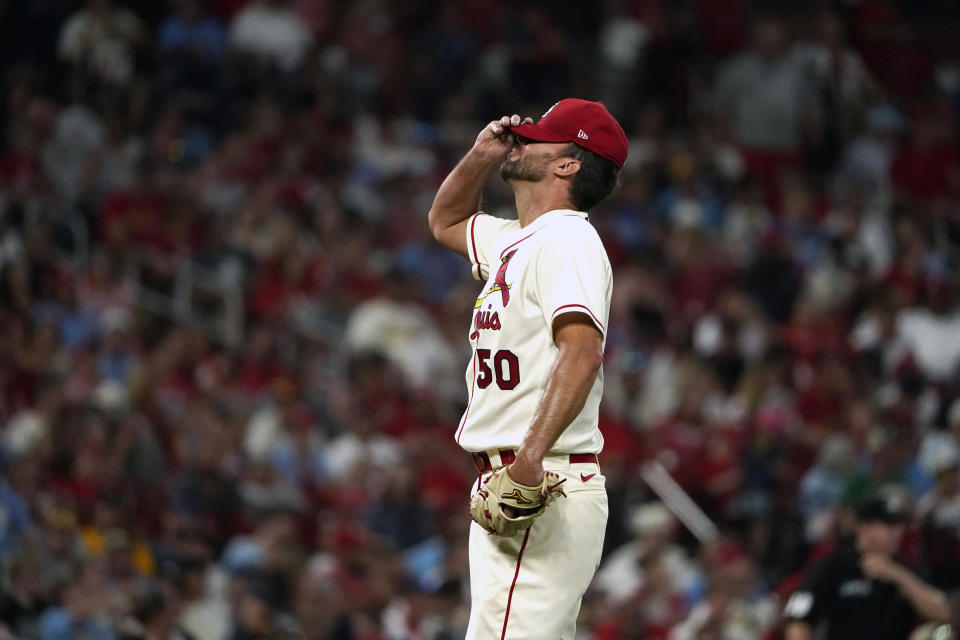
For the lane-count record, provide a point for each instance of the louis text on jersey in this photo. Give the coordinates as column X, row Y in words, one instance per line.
column 490, row 319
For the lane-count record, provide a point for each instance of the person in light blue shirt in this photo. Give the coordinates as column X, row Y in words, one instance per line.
column 56, row 623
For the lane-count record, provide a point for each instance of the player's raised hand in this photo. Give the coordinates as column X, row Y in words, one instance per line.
column 494, row 142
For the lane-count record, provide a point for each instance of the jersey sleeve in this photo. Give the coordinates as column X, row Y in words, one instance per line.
column 483, row 234
column 812, row 600
column 574, row 275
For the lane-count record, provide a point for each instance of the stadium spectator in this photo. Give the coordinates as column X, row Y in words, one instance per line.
column 103, row 39
column 762, row 93
column 271, row 32
column 732, row 608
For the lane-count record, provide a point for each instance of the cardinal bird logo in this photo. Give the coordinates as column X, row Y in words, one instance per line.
column 501, row 279
column 499, row 282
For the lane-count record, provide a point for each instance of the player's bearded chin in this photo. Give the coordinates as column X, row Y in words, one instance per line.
column 522, row 169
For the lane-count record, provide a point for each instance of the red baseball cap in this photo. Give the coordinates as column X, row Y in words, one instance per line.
column 584, row 123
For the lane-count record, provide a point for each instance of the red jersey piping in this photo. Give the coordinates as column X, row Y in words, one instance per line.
column 580, row 306
column 473, row 382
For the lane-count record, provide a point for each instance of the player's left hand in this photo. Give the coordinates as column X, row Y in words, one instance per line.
column 506, row 507
column 524, row 471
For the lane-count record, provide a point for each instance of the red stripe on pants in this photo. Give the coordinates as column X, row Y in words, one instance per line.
column 506, row 617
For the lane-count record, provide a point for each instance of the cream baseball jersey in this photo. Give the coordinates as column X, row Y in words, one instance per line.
column 554, row 265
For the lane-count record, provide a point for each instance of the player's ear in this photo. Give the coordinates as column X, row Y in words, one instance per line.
column 566, row 166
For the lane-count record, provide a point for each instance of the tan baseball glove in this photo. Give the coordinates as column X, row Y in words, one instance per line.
column 505, row 508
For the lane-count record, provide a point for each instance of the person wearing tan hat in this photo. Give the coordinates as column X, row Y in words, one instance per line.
column 535, row 377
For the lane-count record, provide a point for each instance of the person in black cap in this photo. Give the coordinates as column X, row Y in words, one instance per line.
column 860, row 590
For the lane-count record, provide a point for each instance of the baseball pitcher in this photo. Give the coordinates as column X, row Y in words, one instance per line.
column 535, row 379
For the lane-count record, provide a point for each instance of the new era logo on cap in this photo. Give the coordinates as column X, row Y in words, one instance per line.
column 568, row 120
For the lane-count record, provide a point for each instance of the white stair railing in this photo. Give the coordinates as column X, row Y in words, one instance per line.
column 190, row 280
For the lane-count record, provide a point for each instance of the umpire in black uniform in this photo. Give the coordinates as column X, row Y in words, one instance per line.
column 859, row 591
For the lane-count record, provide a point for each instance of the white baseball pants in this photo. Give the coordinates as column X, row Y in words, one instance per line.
column 529, row 586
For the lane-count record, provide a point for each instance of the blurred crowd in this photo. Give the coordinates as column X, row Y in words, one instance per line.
column 784, row 334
